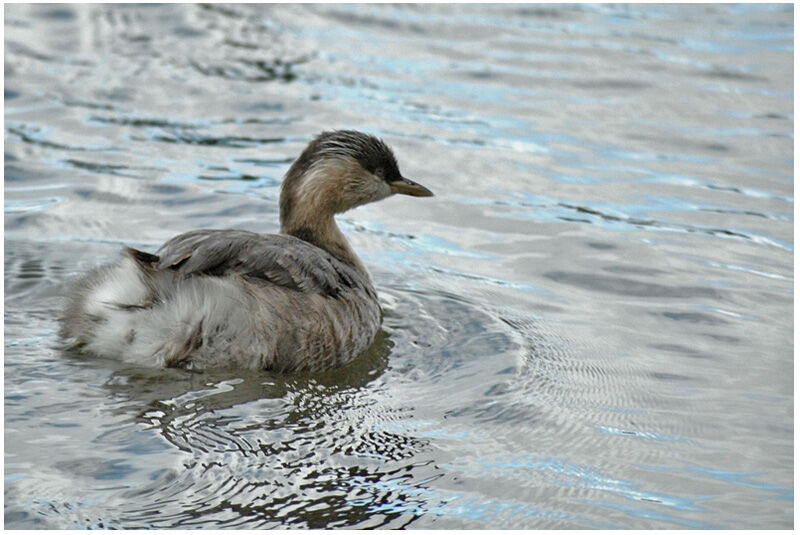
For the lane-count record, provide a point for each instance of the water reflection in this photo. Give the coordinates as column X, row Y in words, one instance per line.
column 299, row 450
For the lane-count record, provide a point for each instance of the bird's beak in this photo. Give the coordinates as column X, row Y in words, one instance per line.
column 409, row 187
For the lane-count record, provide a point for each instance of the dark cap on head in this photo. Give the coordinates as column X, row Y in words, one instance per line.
column 370, row 152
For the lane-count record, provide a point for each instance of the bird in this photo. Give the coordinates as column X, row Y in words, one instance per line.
column 299, row 300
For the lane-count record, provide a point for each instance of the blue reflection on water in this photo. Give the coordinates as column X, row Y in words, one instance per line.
column 639, row 434
column 653, row 515
column 743, row 479
column 416, row 499
column 582, row 476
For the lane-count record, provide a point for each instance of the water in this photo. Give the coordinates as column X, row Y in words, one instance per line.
column 590, row 325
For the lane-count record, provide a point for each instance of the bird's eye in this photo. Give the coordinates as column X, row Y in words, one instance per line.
column 380, row 173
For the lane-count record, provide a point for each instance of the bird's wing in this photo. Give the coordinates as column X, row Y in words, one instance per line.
column 267, row 259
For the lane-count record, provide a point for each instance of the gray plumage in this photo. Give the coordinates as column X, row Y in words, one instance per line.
column 230, row 298
column 275, row 259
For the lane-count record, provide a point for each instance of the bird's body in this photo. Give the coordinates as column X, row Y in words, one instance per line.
column 299, row 300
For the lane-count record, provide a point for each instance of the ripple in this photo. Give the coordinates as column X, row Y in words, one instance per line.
column 254, row 70
column 630, row 287
column 213, row 141
column 621, row 217
column 34, row 135
column 30, row 205
column 143, row 122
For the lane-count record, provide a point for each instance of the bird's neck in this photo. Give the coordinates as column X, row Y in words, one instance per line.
column 308, row 203
column 323, row 232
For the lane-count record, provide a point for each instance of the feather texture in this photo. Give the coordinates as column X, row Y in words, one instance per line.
column 275, row 259
column 226, row 298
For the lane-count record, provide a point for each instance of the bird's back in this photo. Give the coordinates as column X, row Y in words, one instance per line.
column 219, row 298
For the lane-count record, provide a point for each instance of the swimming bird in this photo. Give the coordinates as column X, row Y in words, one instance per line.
column 298, row 300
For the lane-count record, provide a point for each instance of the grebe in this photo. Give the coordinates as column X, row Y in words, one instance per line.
column 298, row 300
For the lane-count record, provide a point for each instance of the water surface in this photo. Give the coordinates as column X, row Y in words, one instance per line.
column 590, row 325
